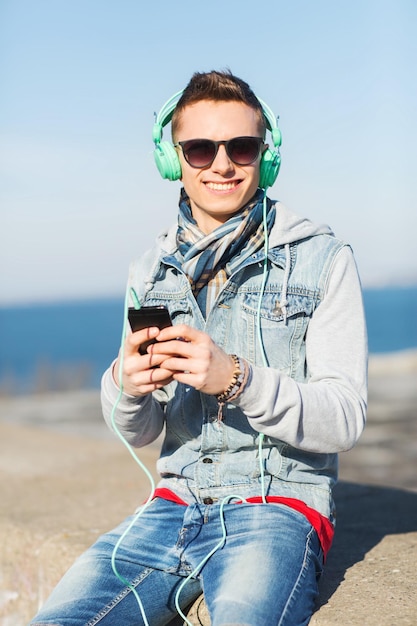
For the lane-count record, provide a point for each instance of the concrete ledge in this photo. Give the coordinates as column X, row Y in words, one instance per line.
column 60, row 491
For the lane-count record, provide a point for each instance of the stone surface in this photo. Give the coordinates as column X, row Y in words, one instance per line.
column 65, row 481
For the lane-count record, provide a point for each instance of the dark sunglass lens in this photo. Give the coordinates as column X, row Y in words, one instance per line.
column 199, row 153
column 244, row 150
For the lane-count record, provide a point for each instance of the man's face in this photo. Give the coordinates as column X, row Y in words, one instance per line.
column 221, row 189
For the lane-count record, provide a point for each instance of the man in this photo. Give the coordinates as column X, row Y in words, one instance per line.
column 258, row 384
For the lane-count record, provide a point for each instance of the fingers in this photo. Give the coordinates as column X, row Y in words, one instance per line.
column 194, row 359
column 186, row 333
column 141, row 373
column 180, row 353
column 146, row 381
column 139, row 382
column 136, row 339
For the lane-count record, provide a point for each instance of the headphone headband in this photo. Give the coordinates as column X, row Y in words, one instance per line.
column 165, row 116
column 167, row 160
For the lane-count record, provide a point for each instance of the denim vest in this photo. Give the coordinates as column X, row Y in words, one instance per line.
column 206, row 459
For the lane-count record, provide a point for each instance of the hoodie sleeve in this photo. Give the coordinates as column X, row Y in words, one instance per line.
column 326, row 414
column 140, row 420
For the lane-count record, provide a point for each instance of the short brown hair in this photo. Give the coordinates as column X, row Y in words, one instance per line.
column 218, row 87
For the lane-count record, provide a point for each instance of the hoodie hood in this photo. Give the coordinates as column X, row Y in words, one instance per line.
column 290, row 227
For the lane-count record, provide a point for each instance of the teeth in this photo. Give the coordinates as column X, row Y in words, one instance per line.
column 221, row 186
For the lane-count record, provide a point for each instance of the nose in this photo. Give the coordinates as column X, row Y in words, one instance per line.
column 222, row 164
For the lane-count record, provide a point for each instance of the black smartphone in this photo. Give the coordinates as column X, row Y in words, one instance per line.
column 148, row 316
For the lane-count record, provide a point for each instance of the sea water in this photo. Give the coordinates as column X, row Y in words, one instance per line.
column 69, row 345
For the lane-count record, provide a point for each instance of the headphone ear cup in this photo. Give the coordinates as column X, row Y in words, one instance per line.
column 167, row 161
column 269, row 168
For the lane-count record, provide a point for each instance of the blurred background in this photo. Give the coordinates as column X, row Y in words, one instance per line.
column 80, row 196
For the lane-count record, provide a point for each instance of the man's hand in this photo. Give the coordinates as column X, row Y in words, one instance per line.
column 181, row 353
column 192, row 358
column 141, row 374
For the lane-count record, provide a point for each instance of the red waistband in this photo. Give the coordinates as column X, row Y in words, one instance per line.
column 321, row 524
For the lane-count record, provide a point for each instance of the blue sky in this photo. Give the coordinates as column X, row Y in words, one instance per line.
column 80, row 81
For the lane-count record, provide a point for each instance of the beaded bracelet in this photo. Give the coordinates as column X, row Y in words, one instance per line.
column 240, row 376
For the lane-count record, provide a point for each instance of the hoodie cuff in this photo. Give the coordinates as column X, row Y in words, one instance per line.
column 249, row 393
column 111, row 392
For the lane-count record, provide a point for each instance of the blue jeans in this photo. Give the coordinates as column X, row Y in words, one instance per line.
column 264, row 573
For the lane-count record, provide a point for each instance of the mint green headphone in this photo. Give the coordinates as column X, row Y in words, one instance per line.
column 168, row 163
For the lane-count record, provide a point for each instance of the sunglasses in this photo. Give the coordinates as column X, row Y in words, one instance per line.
column 202, row 152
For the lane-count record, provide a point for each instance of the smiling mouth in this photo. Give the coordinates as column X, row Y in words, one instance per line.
column 222, row 186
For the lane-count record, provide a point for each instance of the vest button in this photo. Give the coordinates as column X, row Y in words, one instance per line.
column 207, row 460
column 208, row 500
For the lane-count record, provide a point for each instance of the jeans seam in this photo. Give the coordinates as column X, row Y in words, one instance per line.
column 300, row 574
column 120, row 596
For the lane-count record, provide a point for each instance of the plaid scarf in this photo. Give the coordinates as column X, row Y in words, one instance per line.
column 208, row 260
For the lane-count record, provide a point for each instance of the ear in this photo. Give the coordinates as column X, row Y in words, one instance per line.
column 180, row 161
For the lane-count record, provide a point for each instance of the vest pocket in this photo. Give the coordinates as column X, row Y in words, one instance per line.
column 281, row 328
